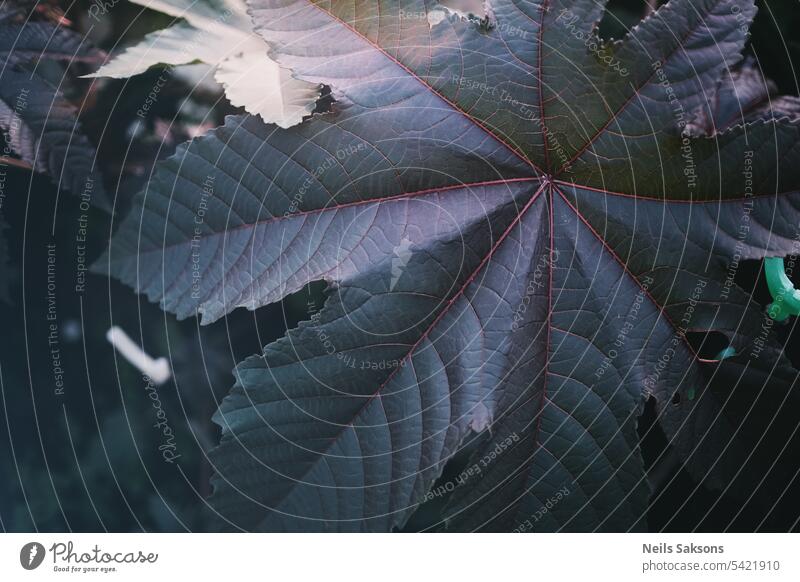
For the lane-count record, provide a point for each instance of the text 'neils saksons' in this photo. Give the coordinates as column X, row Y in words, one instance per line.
column 664, row 548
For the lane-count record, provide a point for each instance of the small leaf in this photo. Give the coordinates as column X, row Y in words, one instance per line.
column 744, row 95
column 41, row 126
column 35, row 41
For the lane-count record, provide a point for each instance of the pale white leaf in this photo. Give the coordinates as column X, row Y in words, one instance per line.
column 177, row 45
column 261, row 86
column 221, row 36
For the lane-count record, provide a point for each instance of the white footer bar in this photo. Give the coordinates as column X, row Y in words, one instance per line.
column 400, row 557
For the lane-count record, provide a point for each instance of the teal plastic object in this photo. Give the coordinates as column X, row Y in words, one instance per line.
column 785, row 298
column 728, row 352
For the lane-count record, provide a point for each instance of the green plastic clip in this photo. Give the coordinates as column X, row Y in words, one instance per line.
column 786, row 299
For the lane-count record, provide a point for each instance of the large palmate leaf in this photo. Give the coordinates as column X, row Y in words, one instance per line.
column 220, row 35
column 521, row 238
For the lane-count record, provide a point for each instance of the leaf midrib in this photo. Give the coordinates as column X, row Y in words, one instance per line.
column 431, row 89
column 321, row 455
column 336, row 208
column 637, row 90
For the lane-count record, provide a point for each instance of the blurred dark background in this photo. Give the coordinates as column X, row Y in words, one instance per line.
column 88, row 459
